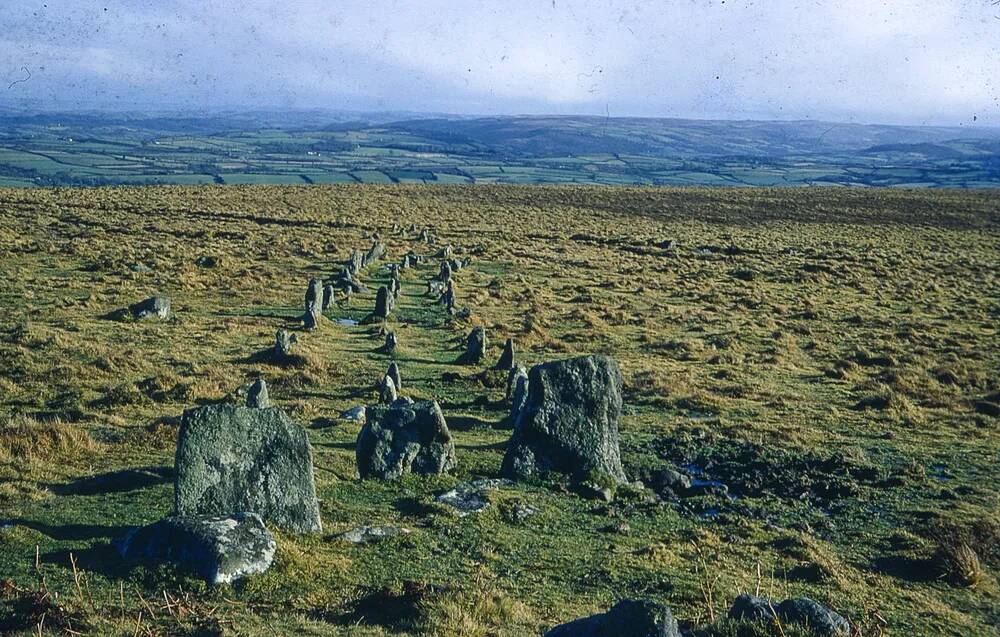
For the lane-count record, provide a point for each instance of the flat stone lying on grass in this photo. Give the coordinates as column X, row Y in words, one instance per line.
column 475, row 347
column 257, row 397
column 403, row 438
column 219, row 549
column 356, row 414
column 627, row 618
column 569, row 421
column 803, row 611
column 153, row 307
column 369, row 534
column 233, row 458
column 471, row 497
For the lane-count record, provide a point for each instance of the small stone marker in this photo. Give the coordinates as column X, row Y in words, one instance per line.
column 404, row 438
column 391, row 343
column 475, row 347
column 387, row 391
column 314, row 293
column 327, row 296
column 383, row 304
column 506, row 361
column 257, row 397
column 283, row 341
column 444, row 274
column 393, row 373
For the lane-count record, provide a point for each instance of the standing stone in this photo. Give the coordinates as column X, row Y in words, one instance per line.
column 627, row 618
column 400, row 439
column 395, row 286
column 475, row 347
column 569, row 422
column 448, row 298
column 314, row 294
column 153, row 307
column 387, row 391
column 383, row 304
column 425, row 236
column 444, row 274
column 327, row 296
column 219, row 549
column 283, row 341
column 233, row 458
column 517, row 391
column 506, row 361
column 257, row 397
column 393, row 373
column 355, row 262
column 376, row 252
column 391, row 343
column 311, row 318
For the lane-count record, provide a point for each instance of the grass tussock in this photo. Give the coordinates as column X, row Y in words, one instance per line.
column 23, row 438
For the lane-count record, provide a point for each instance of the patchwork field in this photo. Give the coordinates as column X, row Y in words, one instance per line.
column 826, row 360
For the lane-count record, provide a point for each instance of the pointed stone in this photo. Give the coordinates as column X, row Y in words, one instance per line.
column 257, row 397
column 393, row 373
column 506, row 361
column 387, row 391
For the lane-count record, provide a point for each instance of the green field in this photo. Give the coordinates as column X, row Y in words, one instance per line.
column 107, row 150
column 829, row 354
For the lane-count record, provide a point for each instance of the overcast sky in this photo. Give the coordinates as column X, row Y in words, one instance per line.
column 904, row 61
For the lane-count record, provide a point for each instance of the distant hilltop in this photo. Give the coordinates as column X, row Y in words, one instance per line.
column 317, row 147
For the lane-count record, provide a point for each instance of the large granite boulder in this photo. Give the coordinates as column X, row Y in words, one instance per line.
column 627, row 618
column 569, row 420
column 403, row 438
column 234, row 458
column 219, row 549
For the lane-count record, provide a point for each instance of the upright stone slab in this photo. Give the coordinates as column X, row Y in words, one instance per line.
column 355, row 262
column 444, row 274
column 327, row 296
column 387, row 391
column 404, row 438
column 569, row 422
column 393, row 373
column 314, row 293
column 257, row 397
column 506, row 361
column 383, row 304
column 475, row 347
column 283, row 341
column 232, row 458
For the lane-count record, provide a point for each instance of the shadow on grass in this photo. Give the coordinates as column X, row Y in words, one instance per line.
column 73, row 532
column 115, row 481
column 910, row 569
